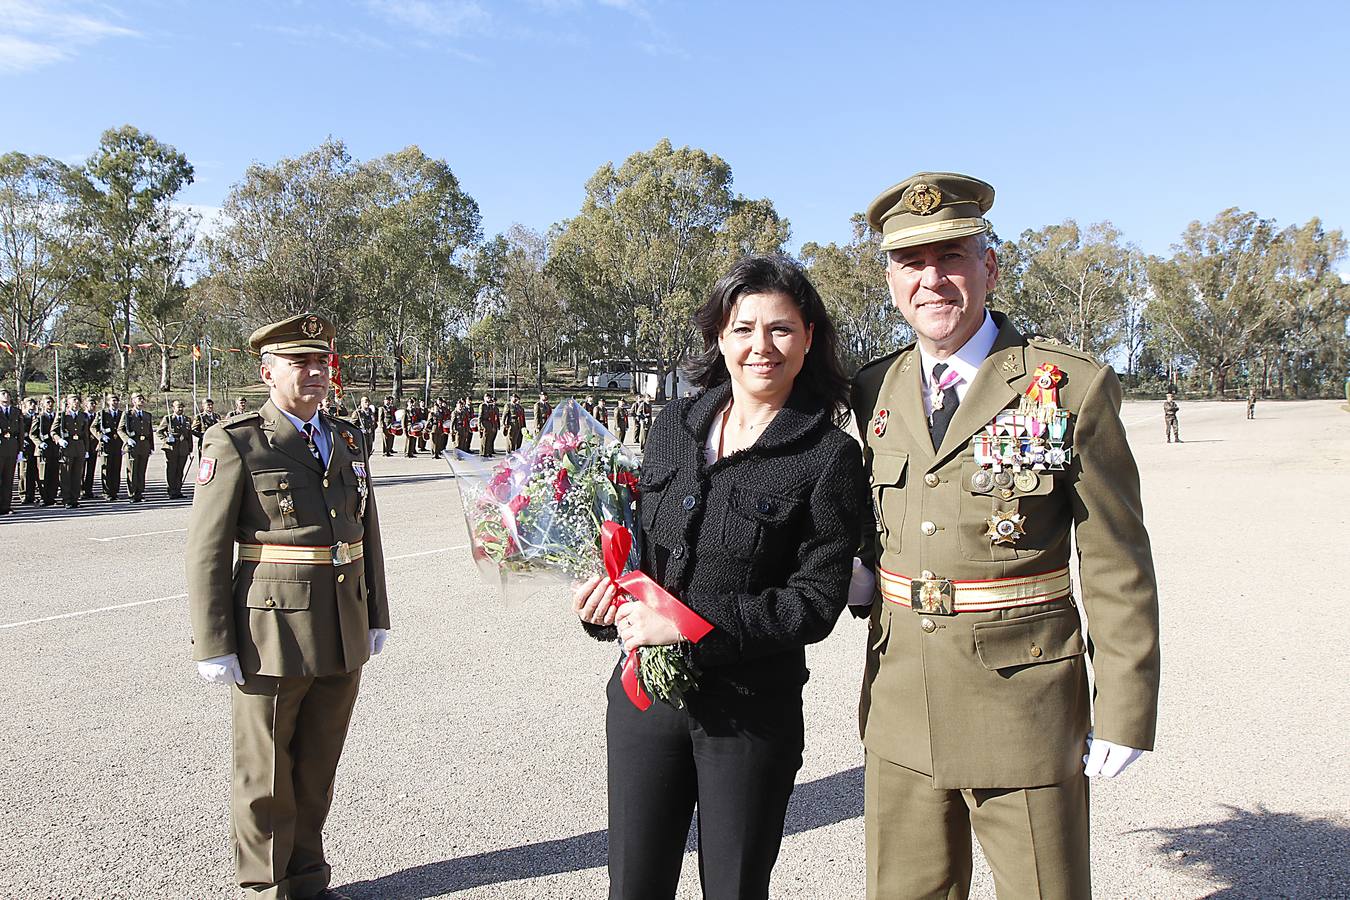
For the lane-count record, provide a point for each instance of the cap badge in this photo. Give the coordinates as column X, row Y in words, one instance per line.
column 311, row 327
column 922, row 199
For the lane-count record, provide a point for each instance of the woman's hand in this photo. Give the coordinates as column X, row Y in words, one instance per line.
column 593, row 600
column 642, row 626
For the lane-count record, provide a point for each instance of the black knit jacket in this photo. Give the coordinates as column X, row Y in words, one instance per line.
column 759, row 543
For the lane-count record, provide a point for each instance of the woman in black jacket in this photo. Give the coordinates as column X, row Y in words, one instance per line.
column 751, row 499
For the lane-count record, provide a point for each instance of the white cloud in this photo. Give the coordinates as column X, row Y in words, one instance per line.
column 443, row 18
column 36, row 33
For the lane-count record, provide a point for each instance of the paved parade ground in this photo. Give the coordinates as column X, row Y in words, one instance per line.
column 475, row 765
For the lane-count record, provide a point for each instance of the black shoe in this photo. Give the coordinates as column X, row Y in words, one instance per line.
column 330, row 894
column 48, row 502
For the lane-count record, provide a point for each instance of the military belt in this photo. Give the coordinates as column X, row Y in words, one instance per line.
column 338, row 554
column 945, row 597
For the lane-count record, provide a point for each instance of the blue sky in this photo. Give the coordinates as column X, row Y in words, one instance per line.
column 1149, row 114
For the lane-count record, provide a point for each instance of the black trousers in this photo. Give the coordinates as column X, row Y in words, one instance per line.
column 8, row 465
column 733, row 758
column 90, row 465
column 112, row 473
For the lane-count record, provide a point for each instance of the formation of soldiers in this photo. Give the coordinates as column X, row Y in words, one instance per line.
column 424, row 428
column 83, row 452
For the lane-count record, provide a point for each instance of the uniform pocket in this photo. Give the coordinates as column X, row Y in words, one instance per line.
column 275, row 495
column 889, row 474
column 1029, row 640
column 276, row 594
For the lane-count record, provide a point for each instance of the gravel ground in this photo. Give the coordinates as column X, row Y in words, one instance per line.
column 475, row 765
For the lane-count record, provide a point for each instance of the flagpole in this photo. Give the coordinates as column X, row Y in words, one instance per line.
column 195, row 407
column 208, row 367
column 56, row 352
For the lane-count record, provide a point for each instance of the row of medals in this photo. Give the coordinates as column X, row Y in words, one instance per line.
column 1013, row 451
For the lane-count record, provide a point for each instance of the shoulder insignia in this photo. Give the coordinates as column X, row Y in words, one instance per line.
column 881, row 364
column 1050, row 345
column 206, row 470
column 246, row 419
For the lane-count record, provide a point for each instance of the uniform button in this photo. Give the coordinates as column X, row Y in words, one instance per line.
column 690, row 502
column 678, row 553
column 284, row 485
column 928, row 625
column 333, row 513
column 1035, row 652
column 269, row 602
column 341, row 577
column 325, row 482
column 1005, row 494
column 931, row 479
column 928, row 528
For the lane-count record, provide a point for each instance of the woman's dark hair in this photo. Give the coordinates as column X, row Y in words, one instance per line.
column 821, row 373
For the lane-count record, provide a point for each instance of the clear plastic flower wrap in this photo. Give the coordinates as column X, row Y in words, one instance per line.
column 537, row 519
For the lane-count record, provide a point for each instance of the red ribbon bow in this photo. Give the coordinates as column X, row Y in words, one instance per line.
column 617, row 542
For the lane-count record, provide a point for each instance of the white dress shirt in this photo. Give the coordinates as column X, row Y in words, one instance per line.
column 965, row 361
column 320, row 433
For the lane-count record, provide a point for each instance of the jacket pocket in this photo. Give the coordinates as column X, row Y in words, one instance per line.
column 1029, row 640
column 1045, row 521
column 275, row 492
column 267, row 593
column 653, row 485
column 752, row 516
column 889, row 473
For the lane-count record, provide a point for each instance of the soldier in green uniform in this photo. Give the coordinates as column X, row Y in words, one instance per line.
column 109, row 442
column 987, row 451
column 70, row 433
column 1251, row 402
column 489, row 420
column 291, row 625
column 11, row 443
column 387, row 419
column 28, row 459
column 175, row 430
column 1170, row 407
column 203, row 421
column 46, row 451
column 514, row 424
column 90, row 452
column 366, row 419
column 138, row 433
column 542, row 411
column 621, row 419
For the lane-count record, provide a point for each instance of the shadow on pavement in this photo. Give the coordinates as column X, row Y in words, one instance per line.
column 816, row 804
column 1257, row 853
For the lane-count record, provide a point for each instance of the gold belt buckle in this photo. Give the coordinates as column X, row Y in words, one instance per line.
column 932, row 596
column 342, row 553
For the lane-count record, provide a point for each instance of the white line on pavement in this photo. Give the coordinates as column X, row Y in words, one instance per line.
column 87, row 612
column 427, row 552
column 123, row 537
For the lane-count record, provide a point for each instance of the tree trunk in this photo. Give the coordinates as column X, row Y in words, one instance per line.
column 398, row 374
column 165, row 369
column 373, row 366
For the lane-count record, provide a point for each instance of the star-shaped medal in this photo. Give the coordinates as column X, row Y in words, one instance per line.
column 1005, row 526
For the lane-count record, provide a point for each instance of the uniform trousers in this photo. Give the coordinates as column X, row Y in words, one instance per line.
column 288, row 737
column 49, row 475
column 174, row 463
column 439, row 440
column 90, row 466
column 112, row 472
column 1173, row 433
column 735, row 758
column 489, row 442
column 72, row 471
column 410, row 445
column 136, row 466
column 28, row 475
column 918, row 837
column 388, row 443
column 514, row 438
column 8, row 464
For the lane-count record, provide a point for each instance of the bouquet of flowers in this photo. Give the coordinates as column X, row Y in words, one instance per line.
column 562, row 508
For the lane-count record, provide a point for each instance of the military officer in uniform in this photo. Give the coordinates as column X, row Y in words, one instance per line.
column 621, row 419
column 1170, row 407
column 70, row 433
column 11, row 443
column 203, row 421
column 986, row 451
column 365, row 418
column 175, row 430
column 104, row 435
column 138, row 433
column 290, row 626
column 542, row 411
column 240, row 408
column 1251, row 402
column 28, row 458
column 46, row 451
column 515, row 424
column 387, row 418
column 489, row 421
column 90, row 452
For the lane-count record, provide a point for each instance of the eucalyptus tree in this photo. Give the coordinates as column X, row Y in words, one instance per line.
column 41, row 263
column 534, row 309
column 167, row 309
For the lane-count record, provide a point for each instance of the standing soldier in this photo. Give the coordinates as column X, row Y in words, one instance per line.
column 411, row 428
column 176, row 431
column 291, row 625
column 1251, row 402
column 621, row 419
column 11, row 443
column 441, row 425
column 109, row 442
column 367, row 418
column 515, row 424
column 91, row 445
column 47, row 451
column 28, row 455
column 425, row 412
column 589, row 404
column 976, row 709
column 202, row 421
column 240, row 408
column 637, row 419
column 601, row 412
column 70, row 432
column 459, row 423
column 489, row 420
column 541, row 412
column 387, row 419
column 138, row 433
column 1170, row 407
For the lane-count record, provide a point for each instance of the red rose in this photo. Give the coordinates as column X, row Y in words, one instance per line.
column 560, row 485
column 518, row 502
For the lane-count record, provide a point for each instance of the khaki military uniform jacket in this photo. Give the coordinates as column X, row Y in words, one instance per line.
column 137, row 428
column 999, row 699
column 180, row 429
column 259, row 484
column 105, row 427
column 73, row 428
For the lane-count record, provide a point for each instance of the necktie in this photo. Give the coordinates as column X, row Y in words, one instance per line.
column 309, row 439
column 944, row 402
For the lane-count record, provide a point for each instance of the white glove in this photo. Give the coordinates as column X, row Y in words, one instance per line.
column 862, row 586
column 377, row 638
column 221, row 669
column 1107, row 760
